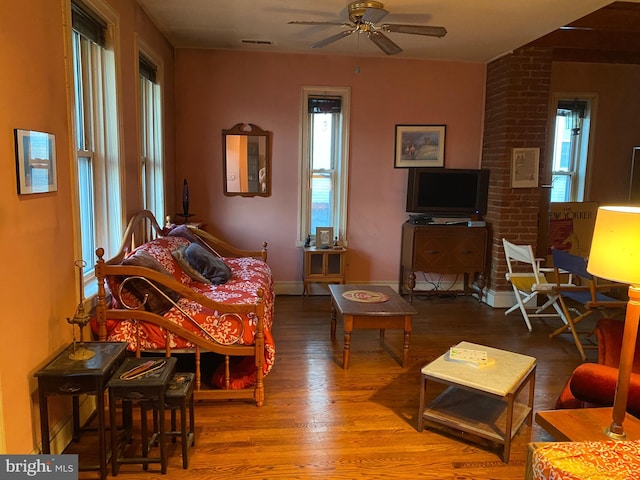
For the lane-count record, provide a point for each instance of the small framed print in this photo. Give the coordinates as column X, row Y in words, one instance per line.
column 525, row 167
column 35, row 161
column 419, row 146
column 324, row 237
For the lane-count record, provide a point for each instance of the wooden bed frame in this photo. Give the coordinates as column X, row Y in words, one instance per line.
column 142, row 228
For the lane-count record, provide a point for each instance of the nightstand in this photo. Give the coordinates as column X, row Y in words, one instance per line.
column 323, row 265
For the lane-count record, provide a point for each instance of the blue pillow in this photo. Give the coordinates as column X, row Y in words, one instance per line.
column 206, row 263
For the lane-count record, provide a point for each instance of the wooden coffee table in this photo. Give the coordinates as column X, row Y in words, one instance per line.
column 370, row 307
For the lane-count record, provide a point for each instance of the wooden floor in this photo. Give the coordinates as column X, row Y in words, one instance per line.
column 320, row 421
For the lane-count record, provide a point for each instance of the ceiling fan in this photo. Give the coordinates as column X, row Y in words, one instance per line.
column 364, row 17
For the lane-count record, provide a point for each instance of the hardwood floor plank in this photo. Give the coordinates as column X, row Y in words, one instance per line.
column 320, row 421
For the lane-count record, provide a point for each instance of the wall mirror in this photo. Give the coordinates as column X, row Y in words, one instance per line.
column 246, row 151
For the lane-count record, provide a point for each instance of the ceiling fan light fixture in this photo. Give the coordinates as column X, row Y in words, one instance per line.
column 364, row 17
column 357, row 10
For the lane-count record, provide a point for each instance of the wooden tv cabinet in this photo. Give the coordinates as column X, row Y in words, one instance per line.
column 446, row 249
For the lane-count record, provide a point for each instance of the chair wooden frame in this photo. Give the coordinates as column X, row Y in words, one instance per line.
column 586, row 292
column 528, row 281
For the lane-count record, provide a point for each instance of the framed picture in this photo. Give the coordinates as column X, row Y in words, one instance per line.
column 419, row 146
column 525, row 167
column 324, row 237
column 35, row 161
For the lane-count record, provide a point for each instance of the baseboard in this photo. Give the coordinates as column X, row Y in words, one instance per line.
column 287, row 288
column 61, row 434
column 296, row 288
column 502, row 299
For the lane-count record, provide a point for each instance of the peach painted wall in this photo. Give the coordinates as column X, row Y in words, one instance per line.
column 616, row 128
column 216, row 89
column 38, row 286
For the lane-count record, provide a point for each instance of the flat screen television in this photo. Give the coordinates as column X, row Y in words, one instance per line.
column 447, row 192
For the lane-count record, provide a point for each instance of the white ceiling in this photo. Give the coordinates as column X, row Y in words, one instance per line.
column 478, row 30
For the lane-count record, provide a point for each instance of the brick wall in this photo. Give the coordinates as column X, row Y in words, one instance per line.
column 516, row 114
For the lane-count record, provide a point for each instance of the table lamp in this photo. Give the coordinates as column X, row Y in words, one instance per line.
column 615, row 255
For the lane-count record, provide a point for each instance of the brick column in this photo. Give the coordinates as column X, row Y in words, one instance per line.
column 516, row 114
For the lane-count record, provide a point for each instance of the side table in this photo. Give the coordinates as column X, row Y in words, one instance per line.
column 584, row 424
column 151, row 386
column 64, row 376
column 480, row 400
column 323, row 265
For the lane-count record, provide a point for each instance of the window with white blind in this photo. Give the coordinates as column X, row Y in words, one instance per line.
column 324, row 168
column 570, row 148
column 96, row 133
column 151, row 157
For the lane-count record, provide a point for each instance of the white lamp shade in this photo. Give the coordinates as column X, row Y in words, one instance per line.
column 615, row 247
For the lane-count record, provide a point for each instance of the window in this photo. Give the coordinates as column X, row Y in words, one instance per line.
column 323, row 195
column 151, row 158
column 96, row 134
column 570, row 151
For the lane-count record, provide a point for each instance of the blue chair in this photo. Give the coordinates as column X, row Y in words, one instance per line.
column 583, row 298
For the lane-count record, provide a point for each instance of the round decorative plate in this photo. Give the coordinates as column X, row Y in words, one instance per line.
column 365, row 296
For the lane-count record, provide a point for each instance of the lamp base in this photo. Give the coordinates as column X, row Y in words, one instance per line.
column 615, row 435
column 81, row 353
column 184, row 216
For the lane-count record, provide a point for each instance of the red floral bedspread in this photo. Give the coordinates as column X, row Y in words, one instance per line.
column 249, row 276
column 608, row 460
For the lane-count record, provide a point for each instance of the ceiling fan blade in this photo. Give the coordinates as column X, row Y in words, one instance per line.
column 332, row 39
column 384, row 42
column 415, row 29
column 319, row 23
column 374, row 15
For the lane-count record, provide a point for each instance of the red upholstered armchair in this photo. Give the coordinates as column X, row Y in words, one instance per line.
column 593, row 384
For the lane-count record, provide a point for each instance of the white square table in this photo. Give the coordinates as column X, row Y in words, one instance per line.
column 479, row 400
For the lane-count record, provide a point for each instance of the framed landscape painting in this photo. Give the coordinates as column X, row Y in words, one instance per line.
column 35, row 161
column 419, row 146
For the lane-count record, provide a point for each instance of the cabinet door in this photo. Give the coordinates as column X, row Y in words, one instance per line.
column 467, row 250
column 334, row 264
column 316, row 264
column 431, row 251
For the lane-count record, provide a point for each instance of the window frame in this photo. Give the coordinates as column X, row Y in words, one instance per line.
column 340, row 170
column 151, row 197
column 106, row 154
column 579, row 172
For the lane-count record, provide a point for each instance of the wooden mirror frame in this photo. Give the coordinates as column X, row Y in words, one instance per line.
column 246, row 166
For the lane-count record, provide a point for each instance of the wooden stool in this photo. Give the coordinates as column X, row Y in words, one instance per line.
column 178, row 396
column 144, row 388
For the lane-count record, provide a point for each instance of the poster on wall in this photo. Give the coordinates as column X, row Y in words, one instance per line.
column 524, row 167
column 571, row 226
